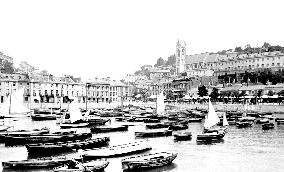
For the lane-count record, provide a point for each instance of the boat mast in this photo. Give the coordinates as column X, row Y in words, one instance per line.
column 10, row 101
column 86, row 100
column 121, row 98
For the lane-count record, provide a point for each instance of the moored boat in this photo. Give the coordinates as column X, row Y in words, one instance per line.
column 156, row 126
column 23, row 132
column 267, row 126
column 59, row 147
column 148, row 161
column 151, row 133
column 262, row 121
column 183, row 136
column 45, row 138
column 243, row 124
column 4, row 128
column 210, row 133
column 35, row 163
column 178, row 127
column 91, row 166
column 117, row 150
column 44, row 114
column 103, row 129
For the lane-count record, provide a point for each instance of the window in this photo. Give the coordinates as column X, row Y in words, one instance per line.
column 267, row 65
column 278, row 64
column 257, row 65
column 267, row 58
column 272, row 64
column 262, row 65
column 262, row 59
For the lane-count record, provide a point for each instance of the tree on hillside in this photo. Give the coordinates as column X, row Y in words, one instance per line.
column 160, row 62
column 7, row 67
column 171, row 61
column 214, row 94
column 238, row 49
column 202, row 91
column 265, row 46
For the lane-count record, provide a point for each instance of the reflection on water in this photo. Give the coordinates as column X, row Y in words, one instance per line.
column 246, row 149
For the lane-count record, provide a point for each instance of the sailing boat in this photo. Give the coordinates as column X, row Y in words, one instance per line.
column 160, row 104
column 75, row 119
column 14, row 107
column 210, row 131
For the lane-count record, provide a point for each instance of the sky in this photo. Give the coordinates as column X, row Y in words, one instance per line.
column 93, row 38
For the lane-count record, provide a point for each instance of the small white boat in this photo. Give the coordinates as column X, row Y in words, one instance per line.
column 4, row 128
column 148, row 161
column 117, row 150
column 74, row 166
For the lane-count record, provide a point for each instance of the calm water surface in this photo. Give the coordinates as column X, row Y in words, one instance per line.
column 248, row 149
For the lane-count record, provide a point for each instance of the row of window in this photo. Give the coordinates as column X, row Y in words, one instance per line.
column 229, row 63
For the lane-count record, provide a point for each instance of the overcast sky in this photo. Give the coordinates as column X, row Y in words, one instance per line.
column 114, row 38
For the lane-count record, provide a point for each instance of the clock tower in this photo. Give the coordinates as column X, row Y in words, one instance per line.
column 180, row 56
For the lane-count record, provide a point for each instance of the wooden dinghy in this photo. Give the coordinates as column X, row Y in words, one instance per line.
column 267, row 126
column 148, row 161
column 74, row 125
column 210, row 136
column 117, row 150
column 4, row 128
column 244, row 124
column 156, row 126
column 23, row 132
column 103, row 129
column 183, row 136
column 45, row 138
column 152, row 133
column 178, row 127
column 35, row 163
column 93, row 166
column 59, row 147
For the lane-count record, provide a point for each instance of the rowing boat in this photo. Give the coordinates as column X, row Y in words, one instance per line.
column 149, row 161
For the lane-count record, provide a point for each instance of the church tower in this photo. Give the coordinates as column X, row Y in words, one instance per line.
column 180, row 56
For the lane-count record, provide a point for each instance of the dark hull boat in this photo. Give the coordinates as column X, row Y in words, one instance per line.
column 42, row 117
column 74, row 125
column 243, row 124
column 150, row 120
column 178, row 127
column 99, row 165
column 148, row 161
column 44, row 138
column 194, row 119
column 183, row 136
column 104, row 129
column 59, row 147
column 154, row 133
column 267, row 126
column 23, row 132
column 156, row 126
column 35, row 163
column 210, row 136
column 116, row 151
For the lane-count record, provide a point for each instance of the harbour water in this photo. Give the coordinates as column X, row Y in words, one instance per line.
column 247, row 149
